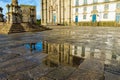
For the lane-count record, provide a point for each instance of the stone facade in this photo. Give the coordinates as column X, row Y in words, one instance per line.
column 14, row 12
column 20, row 13
column 56, row 12
column 81, row 12
column 28, row 13
column 96, row 12
column 20, row 18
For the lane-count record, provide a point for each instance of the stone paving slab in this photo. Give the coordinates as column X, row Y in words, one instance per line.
column 83, row 74
column 93, row 65
column 110, row 76
column 11, row 62
column 45, row 78
column 61, row 73
column 41, row 71
column 90, row 69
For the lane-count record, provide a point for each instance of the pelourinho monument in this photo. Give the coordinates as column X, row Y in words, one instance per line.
column 19, row 18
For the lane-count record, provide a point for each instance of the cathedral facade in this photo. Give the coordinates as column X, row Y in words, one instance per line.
column 81, row 12
column 56, row 12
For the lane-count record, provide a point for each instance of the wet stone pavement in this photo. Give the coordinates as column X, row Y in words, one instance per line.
column 64, row 53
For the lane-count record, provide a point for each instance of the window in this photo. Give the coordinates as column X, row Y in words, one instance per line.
column 95, row 1
column 94, row 7
column 85, row 9
column 77, row 2
column 105, row 16
column 76, row 10
column 106, row 7
column 118, row 5
column 84, row 16
column 106, row 0
column 85, row 1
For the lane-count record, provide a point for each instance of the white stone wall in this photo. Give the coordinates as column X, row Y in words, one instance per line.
column 100, row 8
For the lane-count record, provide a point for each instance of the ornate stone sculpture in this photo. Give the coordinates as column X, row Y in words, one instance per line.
column 1, row 15
column 14, row 12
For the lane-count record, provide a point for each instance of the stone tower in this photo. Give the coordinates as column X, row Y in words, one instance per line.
column 15, row 2
column 14, row 12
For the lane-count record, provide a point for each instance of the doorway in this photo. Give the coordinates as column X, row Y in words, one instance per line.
column 76, row 19
column 94, row 18
column 54, row 18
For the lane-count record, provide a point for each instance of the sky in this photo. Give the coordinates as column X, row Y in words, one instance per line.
column 27, row 2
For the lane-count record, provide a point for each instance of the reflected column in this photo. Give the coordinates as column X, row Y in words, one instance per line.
column 83, row 51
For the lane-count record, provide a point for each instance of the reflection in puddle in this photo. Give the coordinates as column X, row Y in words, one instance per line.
column 34, row 47
column 61, row 54
column 71, row 55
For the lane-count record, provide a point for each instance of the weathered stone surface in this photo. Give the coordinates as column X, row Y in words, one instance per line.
column 67, row 53
column 61, row 73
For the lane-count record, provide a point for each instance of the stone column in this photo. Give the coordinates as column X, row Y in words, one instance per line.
column 60, row 10
column 63, row 11
column 70, row 11
column 83, row 51
column 8, row 10
column 42, row 12
column 46, row 12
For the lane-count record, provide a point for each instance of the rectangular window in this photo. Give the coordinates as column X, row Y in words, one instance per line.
column 85, row 9
column 77, row 2
column 118, row 5
column 105, row 16
column 106, row 0
column 84, row 16
column 106, row 7
column 95, row 1
column 85, row 1
column 76, row 10
column 94, row 7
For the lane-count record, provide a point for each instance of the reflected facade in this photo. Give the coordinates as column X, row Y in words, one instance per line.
column 68, row 54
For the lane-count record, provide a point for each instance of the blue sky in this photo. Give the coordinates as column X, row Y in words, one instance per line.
column 27, row 2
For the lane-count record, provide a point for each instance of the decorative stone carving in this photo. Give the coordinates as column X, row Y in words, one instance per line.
column 1, row 15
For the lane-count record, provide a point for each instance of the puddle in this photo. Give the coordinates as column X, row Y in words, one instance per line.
column 34, row 47
column 66, row 54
